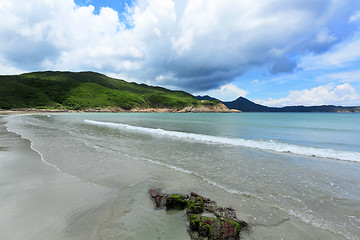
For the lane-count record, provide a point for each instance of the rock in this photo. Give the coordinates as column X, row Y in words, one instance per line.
column 176, row 201
column 214, row 228
column 158, row 197
column 206, row 219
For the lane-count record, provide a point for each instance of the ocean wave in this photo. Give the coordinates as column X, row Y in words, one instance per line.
column 269, row 145
column 302, row 216
column 210, row 182
column 9, row 129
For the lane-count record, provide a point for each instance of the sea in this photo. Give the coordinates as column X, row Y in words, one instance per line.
column 289, row 175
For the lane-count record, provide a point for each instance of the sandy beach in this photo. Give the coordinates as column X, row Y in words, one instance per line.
column 39, row 202
column 284, row 189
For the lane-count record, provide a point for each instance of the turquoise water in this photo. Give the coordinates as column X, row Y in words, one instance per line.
column 335, row 132
column 290, row 175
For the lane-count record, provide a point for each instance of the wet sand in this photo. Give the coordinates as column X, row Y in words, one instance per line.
column 39, row 202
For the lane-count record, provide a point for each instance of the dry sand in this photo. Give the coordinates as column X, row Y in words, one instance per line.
column 39, row 202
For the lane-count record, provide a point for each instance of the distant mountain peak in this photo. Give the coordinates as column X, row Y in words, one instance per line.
column 245, row 105
column 206, row 97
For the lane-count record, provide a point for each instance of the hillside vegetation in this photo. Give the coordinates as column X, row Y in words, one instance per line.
column 86, row 90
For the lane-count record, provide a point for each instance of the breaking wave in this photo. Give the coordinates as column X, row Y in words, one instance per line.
column 269, row 145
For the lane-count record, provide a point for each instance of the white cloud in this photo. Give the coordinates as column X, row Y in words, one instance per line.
column 355, row 17
column 200, row 45
column 324, row 37
column 227, row 92
column 6, row 69
column 342, row 94
column 345, row 76
column 340, row 55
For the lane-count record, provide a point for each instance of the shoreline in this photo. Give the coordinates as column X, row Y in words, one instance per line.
column 40, row 202
column 150, row 110
column 219, row 108
column 132, row 215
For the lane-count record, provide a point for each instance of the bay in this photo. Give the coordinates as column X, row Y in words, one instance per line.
column 290, row 175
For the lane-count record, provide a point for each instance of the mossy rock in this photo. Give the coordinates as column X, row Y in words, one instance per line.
column 203, row 225
column 206, row 219
column 214, row 228
column 176, row 201
column 195, row 207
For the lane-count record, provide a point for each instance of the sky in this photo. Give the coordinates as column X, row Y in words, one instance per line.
column 273, row 52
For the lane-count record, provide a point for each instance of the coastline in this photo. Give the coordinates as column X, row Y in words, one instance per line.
column 219, row 108
column 39, row 202
column 102, row 156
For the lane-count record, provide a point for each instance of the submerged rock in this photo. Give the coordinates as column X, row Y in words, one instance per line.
column 206, row 219
column 158, row 197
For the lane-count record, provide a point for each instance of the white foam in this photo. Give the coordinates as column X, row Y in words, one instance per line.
column 319, row 223
column 257, row 144
column 41, row 155
column 178, row 169
column 305, row 217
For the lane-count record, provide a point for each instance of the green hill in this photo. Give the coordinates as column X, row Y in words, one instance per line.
column 86, row 90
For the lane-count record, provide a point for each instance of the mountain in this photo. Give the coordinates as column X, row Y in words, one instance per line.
column 206, row 97
column 88, row 90
column 246, row 105
column 323, row 108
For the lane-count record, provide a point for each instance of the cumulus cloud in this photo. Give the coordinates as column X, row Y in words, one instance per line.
column 342, row 94
column 227, row 92
column 192, row 45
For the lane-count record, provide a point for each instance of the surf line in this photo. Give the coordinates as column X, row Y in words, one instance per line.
column 269, row 145
column 43, row 159
column 181, row 170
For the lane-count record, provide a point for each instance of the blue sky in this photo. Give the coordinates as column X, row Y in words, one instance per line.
column 117, row 5
column 275, row 52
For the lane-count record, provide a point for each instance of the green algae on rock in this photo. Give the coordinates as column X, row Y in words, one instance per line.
column 206, row 219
